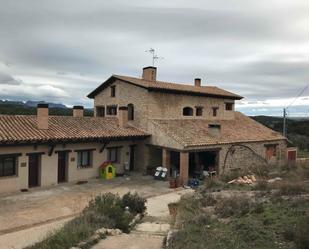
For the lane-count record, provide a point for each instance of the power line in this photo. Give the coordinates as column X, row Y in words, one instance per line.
column 286, row 108
column 300, row 93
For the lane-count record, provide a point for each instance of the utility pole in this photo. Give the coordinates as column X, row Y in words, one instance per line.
column 284, row 122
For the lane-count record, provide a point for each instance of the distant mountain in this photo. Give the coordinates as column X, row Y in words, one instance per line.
column 31, row 103
column 29, row 108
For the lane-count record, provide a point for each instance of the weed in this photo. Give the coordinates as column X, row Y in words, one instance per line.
column 135, row 203
column 235, row 205
column 106, row 210
column 302, row 234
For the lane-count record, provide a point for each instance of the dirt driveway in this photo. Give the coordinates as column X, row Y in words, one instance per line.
column 39, row 207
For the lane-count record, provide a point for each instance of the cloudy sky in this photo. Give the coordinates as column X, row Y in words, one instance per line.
column 59, row 50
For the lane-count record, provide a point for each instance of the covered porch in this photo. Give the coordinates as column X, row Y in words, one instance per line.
column 185, row 163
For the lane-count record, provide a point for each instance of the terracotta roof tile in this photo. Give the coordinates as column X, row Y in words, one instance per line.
column 168, row 86
column 23, row 129
column 194, row 132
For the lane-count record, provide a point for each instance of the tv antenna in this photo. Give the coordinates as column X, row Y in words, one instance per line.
column 155, row 57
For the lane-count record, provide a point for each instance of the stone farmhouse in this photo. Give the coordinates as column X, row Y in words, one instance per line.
column 138, row 125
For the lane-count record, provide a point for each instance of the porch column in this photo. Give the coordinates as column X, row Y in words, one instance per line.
column 184, row 167
column 166, row 160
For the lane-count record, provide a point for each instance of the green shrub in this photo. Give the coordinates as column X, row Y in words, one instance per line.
column 261, row 171
column 214, row 184
column 234, row 205
column 302, row 234
column 207, row 200
column 290, row 188
column 289, row 233
column 261, row 185
column 106, row 210
column 136, row 203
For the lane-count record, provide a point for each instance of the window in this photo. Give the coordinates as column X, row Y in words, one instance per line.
column 113, row 91
column 130, row 112
column 7, row 165
column 100, row 111
column 215, row 111
column 229, row 106
column 114, row 155
column 187, row 111
column 111, row 110
column 271, row 151
column 84, row 159
column 199, row 111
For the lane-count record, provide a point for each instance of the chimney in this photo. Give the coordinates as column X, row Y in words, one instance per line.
column 150, row 73
column 214, row 130
column 78, row 111
column 197, row 82
column 42, row 116
column 123, row 116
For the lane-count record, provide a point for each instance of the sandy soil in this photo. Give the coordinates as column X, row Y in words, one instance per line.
column 38, row 212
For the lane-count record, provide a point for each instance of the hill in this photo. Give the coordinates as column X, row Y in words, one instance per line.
column 29, row 108
column 297, row 129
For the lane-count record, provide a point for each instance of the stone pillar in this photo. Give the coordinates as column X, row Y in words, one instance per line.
column 184, row 167
column 166, row 160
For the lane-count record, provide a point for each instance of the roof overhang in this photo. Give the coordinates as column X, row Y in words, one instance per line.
column 111, row 79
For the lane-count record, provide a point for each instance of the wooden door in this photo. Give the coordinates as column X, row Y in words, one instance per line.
column 132, row 157
column 62, row 166
column 33, row 180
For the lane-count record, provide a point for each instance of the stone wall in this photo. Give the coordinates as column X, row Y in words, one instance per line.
column 170, row 106
column 126, row 94
column 247, row 155
column 152, row 105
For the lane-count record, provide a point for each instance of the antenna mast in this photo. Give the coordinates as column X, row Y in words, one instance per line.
column 155, row 57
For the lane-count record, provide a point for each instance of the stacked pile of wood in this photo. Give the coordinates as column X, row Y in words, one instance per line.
column 248, row 179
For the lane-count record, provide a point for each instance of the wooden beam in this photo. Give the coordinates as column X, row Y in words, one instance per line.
column 51, row 149
column 103, row 146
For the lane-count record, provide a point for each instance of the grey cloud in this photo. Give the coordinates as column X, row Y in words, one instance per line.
column 8, row 79
column 257, row 49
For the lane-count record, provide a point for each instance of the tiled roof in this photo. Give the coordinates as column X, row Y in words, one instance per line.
column 169, row 87
column 23, row 129
column 194, row 132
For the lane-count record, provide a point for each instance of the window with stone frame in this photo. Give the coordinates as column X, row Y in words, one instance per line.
column 130, row 112
column 271, row 151
column 8, row 166
column 187, row 111
column 100, row 111
column 215, row 111
column 229, row 106
column 199, row 111
column 84, row 159
column 111, row 110
column 113, row 154
column 113, row 91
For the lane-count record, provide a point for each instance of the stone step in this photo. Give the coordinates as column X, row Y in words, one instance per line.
column 152, row 228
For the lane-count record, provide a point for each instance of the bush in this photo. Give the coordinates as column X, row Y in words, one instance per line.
column 234, row 205
column 290, row 188
column 302, row 234
column 289, row 233
column 214, row 184
column 106, row 210
column 261, row 185
column 136, row 203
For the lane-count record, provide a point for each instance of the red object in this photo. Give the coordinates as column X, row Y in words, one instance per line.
column 292, row 155
column 173, row 183
column 104, row 165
